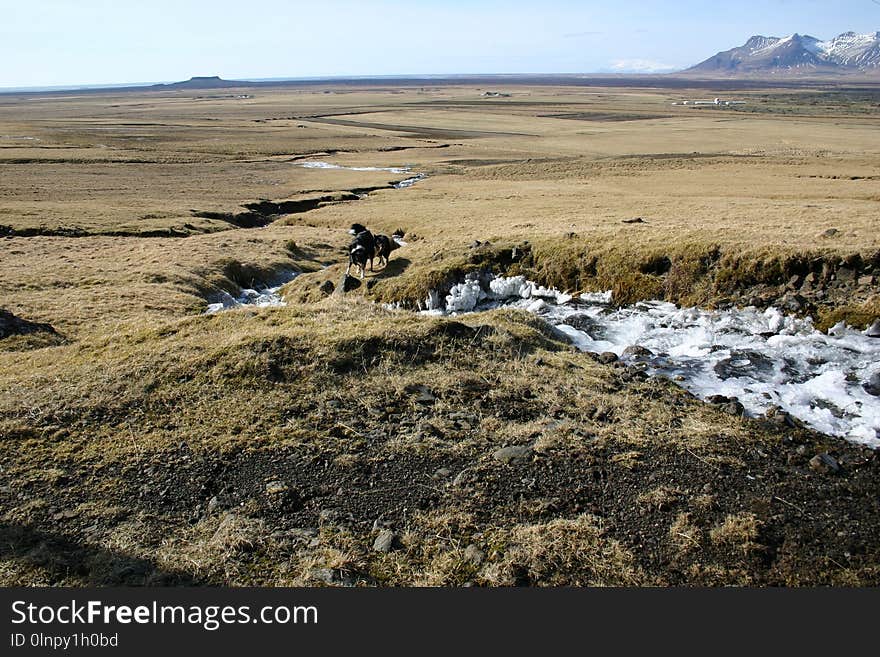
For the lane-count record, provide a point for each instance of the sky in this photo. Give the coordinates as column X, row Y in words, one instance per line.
column 73, row 42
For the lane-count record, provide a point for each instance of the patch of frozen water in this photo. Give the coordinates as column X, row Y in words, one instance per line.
column 763, row 358
column 262, row 297
column 409, row 182
column 403, row 184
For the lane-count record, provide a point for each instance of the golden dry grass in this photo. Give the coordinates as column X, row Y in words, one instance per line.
column 141, row 371
column 134, row 163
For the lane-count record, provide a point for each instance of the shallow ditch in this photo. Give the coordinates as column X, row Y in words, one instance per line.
column 262, row 213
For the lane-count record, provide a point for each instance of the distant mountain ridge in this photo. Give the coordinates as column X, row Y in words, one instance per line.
column 203, row 82
column 797, row 54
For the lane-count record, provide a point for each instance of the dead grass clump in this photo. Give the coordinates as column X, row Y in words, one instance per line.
column 236, row 533
column 563, row 435
column 660, row 498
column 570, row 552
column 684, row 534
column 739, row 531
column 703, row 502
column 628, row 459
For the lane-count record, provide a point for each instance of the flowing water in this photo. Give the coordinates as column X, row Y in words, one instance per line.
column 763, row 358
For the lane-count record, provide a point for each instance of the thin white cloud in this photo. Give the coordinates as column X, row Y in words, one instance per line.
column 640, row 66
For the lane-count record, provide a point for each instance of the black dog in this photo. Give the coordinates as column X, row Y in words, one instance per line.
column 361, row 250
column 385, row 245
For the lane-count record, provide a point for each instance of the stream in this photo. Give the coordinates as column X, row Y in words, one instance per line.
column 402, row 184
column 762, row 358
column 260, row 296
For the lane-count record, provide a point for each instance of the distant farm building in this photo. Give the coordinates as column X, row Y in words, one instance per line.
column 713, row 102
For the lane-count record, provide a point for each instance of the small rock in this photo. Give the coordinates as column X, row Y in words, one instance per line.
column 734, row 407
column 718, row 399
column 864, row 281
column 460, row 479
column 380, row 524
column 385, row 541
column 636, row 376
column 873, row 331
column 634, row 220
column 824, row 463
column 513, row 454
column 831, row 232
column 779, row 417
column 329, row 515
column 327, row 288
column 845, row 274
column 213, row 503
column 349, row 283
column 794, row 303
column 423, row 394
column 302, row 534
column 476, row 244
column 474, row 555
column 607, row 357
column 442, row 473
column 636, row 351
column 325, row 575
column 794, row 282
column 872, row 385
column 428, row 430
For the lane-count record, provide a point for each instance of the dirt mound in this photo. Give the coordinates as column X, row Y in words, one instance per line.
column 35, row 334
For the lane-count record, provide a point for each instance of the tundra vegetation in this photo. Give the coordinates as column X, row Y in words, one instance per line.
column 336, row 441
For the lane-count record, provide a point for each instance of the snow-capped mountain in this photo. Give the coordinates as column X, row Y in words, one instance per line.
column 851, row 49
column 797, row 54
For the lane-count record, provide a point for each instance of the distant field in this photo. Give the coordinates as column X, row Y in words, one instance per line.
column 543, row 163
column 121, row 218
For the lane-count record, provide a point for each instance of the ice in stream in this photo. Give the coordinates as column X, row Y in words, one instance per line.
column 762, row 357
column 262, row 297
column 403, row 184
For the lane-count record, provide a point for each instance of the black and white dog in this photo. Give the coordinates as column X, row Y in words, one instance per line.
column 361, row 250
column 385, row 245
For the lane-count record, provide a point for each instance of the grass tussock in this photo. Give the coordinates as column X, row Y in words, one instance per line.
column 739, row 532
column 576, row 552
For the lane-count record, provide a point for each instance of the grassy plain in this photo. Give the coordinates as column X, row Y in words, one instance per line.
column 148, row 443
